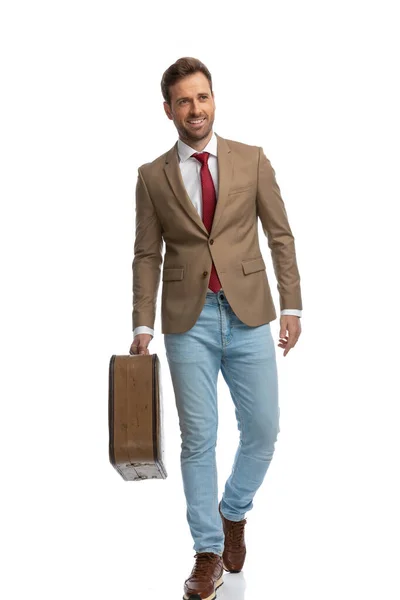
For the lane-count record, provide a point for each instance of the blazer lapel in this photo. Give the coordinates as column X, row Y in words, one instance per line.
column 225, row 170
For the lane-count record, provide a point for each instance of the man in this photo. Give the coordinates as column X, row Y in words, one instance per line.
column 203, row 198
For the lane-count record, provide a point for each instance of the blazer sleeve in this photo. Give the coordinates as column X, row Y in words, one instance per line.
column 272, row 213
column 146, row 264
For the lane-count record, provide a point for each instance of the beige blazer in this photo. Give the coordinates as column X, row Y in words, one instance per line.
column 164, row 212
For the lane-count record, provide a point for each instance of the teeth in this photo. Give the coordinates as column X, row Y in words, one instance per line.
column 197, row 121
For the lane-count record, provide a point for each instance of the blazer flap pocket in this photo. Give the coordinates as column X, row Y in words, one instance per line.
column 252, row 265
column 173, row 274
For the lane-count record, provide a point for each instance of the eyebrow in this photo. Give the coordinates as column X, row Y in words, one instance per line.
column 187, row 98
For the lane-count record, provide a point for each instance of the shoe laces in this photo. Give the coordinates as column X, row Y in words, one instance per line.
column 203, row 560
column 236, row 532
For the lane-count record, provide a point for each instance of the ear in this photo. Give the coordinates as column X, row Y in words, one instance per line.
column 167, row 110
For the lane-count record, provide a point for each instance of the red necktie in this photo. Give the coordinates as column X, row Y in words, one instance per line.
column 209, row 202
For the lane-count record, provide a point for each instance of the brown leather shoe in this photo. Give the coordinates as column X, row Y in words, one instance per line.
column 235, row 546
column 207, row 575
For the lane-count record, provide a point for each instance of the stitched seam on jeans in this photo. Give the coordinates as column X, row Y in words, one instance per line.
column 242, row 431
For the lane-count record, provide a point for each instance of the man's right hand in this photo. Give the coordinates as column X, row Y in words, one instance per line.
column 140, row 343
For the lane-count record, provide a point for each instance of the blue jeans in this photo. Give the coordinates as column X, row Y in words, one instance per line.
column 247, row 359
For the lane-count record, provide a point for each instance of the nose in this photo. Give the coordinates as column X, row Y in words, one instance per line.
column 195, row 108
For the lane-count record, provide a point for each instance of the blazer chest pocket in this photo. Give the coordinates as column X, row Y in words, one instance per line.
column 172, row 274
column 253, row 265
column 240, row 189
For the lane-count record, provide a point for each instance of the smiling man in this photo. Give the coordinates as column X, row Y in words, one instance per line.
column 203, row 199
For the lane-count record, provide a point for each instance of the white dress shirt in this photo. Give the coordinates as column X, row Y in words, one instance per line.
column 190, row 169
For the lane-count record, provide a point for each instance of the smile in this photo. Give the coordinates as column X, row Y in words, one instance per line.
column 197, row 121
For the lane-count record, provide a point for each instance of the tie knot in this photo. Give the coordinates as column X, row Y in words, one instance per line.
column 202, row 157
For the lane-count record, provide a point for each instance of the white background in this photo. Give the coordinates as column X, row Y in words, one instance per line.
column 314, row 84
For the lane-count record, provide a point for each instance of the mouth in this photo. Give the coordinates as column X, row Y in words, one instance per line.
column 196, row 123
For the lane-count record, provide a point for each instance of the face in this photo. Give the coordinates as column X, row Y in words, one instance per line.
column 191, row 99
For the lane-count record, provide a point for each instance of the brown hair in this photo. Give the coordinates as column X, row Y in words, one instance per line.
column 178, row 70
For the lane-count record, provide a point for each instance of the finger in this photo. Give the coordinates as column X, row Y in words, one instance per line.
column 289, row 346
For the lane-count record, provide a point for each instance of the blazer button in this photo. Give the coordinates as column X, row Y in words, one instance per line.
column 211, row 241
column 205, row 273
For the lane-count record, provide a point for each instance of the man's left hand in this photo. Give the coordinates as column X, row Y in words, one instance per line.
column 289, row 333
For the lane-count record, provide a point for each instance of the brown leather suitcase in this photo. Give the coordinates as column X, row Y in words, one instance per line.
column 135, row 417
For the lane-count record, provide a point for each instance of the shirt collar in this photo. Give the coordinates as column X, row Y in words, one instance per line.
column 185, row 151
